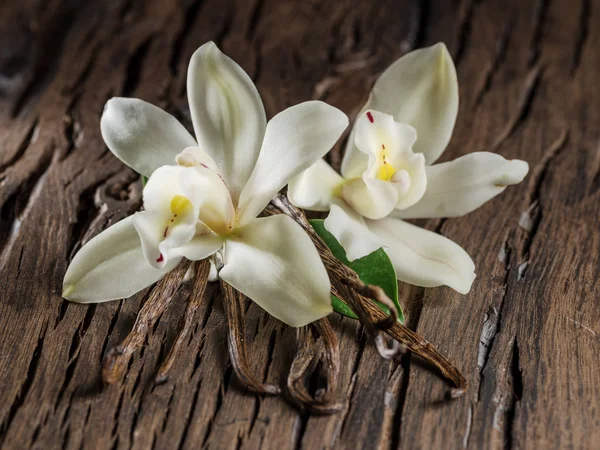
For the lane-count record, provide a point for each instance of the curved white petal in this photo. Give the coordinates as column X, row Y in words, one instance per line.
column 161, row 187
column 216, row 262
column 273, row 262
column 411, row 181
column 392, row 166
column 194, row 157
column 376, row 131
column 159, row 240
column 370, row 197
column 424, row 258
column 111, row 266
column 419, row 89
column 170, row 215
column 175, row 199
column 200, row 247
column 213, row 275
column 228, row 114
column 142, row 135
column 458, row 187
column 351, row 232
column 295, row 139
column 315, row 188
column 207, row 188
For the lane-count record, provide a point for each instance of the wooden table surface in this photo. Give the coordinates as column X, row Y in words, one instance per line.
column 526, row 337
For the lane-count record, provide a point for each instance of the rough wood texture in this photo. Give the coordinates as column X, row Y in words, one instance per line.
column 526, row 337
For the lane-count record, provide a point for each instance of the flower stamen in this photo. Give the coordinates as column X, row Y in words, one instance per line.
column 179, row 205
column 386, row 171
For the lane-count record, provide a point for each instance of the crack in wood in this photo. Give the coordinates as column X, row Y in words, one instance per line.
column 492, row 321
column 111, row 326
column 412, row 322
column 583, row 33
column 115, row 420
column 486, row 341
column 255, row 17
column 516, row 379
column 492, row 68
column 219, row 402
column 22, row 392
column 59, row 19
column 30, row 138
column 74, row 352
column 19, row 205
column 189, row 17
column 524, row 104
column 541, row 12
column 468, row 426
column 299, row 429
column 464, row 30
column 135, row 67
column 531, row 218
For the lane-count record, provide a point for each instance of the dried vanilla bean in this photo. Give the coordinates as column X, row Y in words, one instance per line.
column 331, row 356
column 117, row 358
column 196, row 297
column 420, row 346
column 346, row 285
column 310, row 352
column 233, row 304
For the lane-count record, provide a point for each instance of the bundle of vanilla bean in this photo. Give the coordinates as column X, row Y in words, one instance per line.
column 317, row 345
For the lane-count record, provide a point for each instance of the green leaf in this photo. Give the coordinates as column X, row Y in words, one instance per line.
column 375, row 268
column 144, row 180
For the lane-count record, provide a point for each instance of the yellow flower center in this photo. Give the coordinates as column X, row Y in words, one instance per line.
column 386, row 171
column 180, row 205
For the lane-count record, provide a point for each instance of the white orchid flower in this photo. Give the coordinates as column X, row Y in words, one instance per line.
column 203, row 197
column 387, row 174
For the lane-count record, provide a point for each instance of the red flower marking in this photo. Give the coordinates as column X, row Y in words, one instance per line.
column 204, row 165
column 165, row 233
column 370, row 116
column 383, row 146
column 160, row 258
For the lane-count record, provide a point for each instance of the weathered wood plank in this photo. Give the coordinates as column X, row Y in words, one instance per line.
column 526, row 336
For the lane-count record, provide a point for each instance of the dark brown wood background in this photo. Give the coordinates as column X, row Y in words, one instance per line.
column 526, row 337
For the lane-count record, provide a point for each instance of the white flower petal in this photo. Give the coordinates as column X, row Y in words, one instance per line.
column 388, row 145
column 208, row 189
column 194, row 156
column 175, row 197
column 150, row 226
column 458, row 187
column 142, row 135
column 213, row 275
column 315, row 188
column 424, row 258
column 200, row 247
column 295, row 139
column 159, row 240
column 351, row 232
column 370, row 197
column 411, row 190
column 228, row 114
column 273, row 262
column 162, row 186
column 376, row 131
column 111, row 266
column 419, row 89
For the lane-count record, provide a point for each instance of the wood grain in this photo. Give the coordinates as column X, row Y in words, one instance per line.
column 526, row 337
